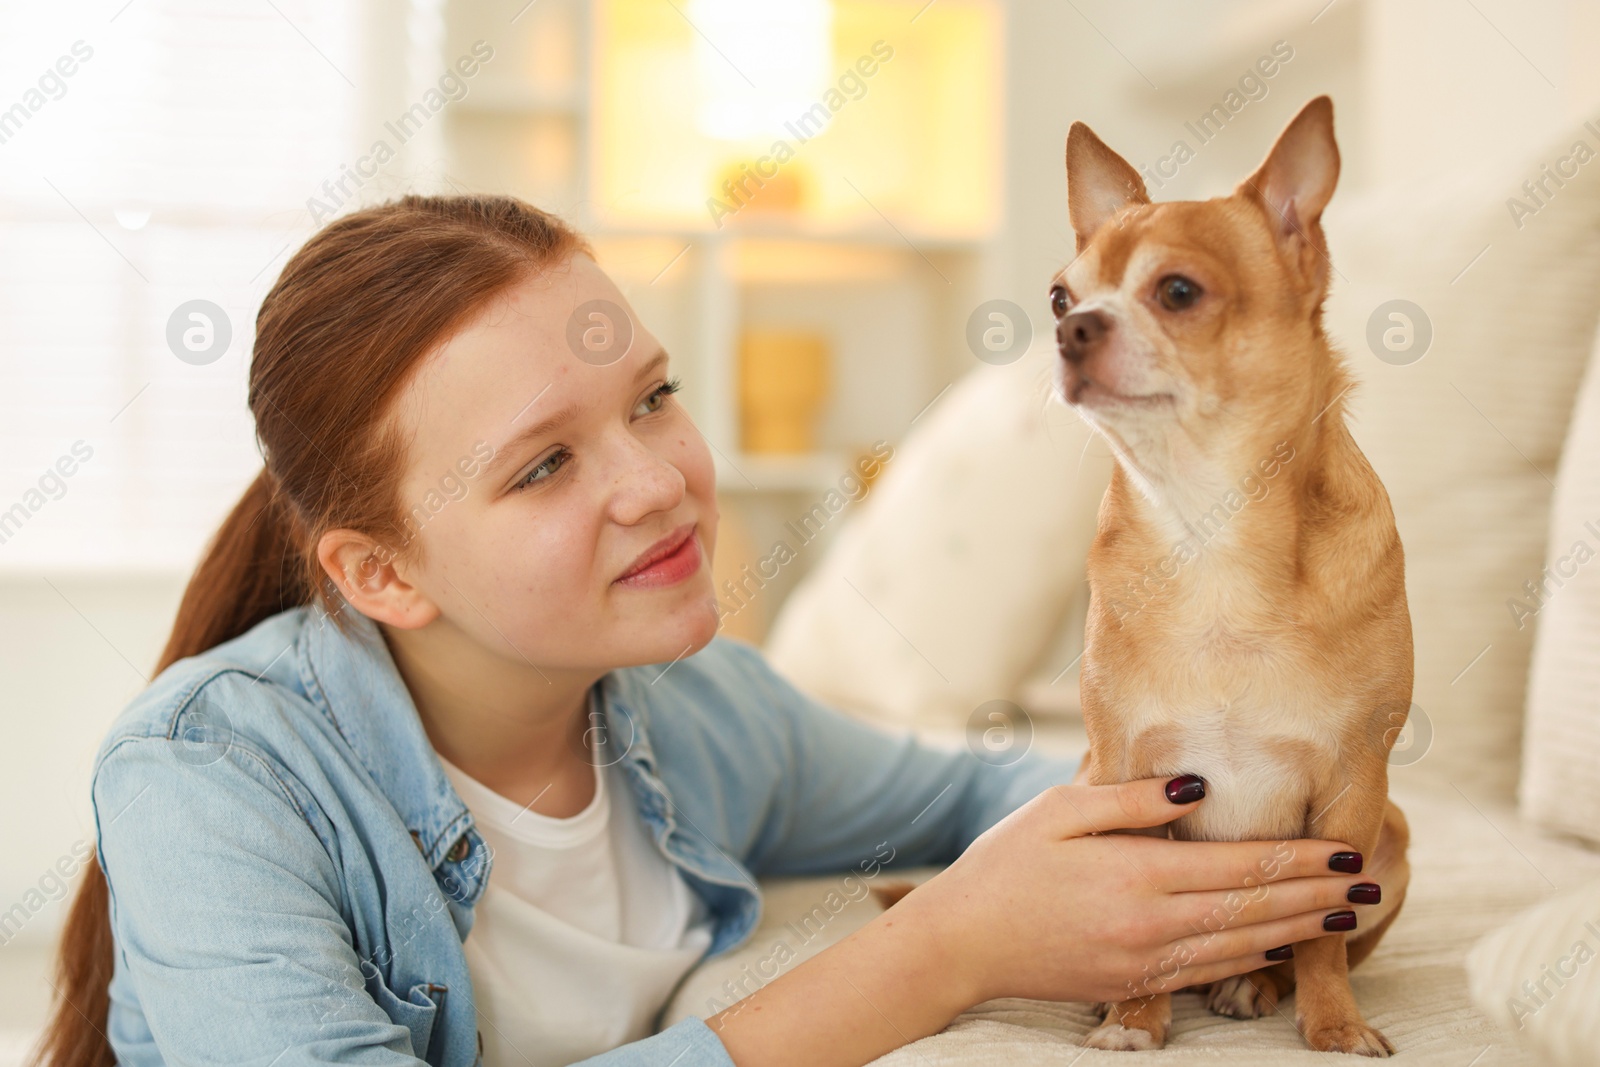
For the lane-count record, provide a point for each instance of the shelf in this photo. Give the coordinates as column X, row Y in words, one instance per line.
column 580, row 113
column 736, row 233
column 812, row 472
column 530, row 103
column 761, row 262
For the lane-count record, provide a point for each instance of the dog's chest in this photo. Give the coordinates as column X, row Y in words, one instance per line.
column 1261, row 778
column 1250, row 717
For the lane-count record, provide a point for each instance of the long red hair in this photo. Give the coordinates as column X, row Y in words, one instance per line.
column 353, row 313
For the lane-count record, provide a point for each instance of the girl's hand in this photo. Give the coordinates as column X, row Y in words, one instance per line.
column 1047, row 905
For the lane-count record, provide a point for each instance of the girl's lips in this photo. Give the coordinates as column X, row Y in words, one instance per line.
column 669, row 569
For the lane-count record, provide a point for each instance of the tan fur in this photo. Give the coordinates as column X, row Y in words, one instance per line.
column 1275, row 659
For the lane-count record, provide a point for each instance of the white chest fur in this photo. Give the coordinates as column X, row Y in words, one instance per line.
column 1255, row 787
column 1262, row 733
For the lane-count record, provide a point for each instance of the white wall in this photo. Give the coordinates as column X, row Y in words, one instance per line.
column 1419, row 87
column 73, row 651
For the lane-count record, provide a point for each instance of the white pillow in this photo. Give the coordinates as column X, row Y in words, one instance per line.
column 954, row 575
column 1540, row 976
column 1561, row 743
column 1467, row 438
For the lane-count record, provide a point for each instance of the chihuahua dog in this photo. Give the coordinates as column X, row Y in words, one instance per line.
column 1247, row 618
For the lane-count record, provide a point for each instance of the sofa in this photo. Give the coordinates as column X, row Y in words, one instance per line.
column 1467, row 311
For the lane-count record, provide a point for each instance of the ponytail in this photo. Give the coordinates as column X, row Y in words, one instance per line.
column 250, row 571
column 253, row 569
column 353, row 313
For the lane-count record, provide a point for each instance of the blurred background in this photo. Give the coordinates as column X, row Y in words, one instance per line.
column 809, row 200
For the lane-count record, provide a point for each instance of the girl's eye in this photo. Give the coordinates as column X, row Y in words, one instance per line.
column 658, row 396
column 651, row 404
column 552, row 463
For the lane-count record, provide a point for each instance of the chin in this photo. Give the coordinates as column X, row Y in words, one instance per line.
column 699, row 623
column 679, row 631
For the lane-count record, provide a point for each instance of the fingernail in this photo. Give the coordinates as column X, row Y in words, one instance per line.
column 1365, row 893
column 1347, row 862
column 1281, row 953
column 1339, row 921
column 1186, row 789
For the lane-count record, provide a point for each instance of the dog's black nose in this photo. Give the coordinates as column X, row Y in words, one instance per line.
column 1079, row 332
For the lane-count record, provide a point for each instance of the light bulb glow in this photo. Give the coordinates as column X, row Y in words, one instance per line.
column 758, row 65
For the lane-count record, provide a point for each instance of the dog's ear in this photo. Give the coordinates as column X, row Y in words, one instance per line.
column 1100, row 183
column 1295, row 183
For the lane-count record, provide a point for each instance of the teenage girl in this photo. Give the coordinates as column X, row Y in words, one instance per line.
column 463, row 622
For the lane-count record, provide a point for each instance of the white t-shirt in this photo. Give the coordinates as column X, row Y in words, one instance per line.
column 584, row 930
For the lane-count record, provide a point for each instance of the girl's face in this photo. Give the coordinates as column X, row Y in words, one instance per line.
column 541, row 552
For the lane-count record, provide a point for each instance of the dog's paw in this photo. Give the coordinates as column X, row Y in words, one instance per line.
column 1355, row 1037
column 1114, row 1037
column 1239, row 998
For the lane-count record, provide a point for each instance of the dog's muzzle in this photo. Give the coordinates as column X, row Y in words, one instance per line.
column 1080, row 333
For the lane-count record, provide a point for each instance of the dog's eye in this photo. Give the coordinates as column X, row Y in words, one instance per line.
column 1177, row 292
column 1058, row 300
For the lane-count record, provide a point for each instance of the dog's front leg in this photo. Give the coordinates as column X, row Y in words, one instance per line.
column 1140, row 1022
column 1134, row 1025
column 1348, row 809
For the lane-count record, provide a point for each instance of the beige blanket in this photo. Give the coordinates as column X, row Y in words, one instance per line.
column 1475, row 865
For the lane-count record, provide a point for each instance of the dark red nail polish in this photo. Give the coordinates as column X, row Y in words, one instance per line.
column 1281, row 953
column 1365, row 893
column 1345, row 862
column 1339, row 922
column 1186, row 789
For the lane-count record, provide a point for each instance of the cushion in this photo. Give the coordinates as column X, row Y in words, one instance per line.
column 956, row 573
column 1466, row 430
column 1561, row 741
column 1537, row 976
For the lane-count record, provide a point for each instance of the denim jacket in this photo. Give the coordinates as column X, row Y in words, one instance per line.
column 292, row 875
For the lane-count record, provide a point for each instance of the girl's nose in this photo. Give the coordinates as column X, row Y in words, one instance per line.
column 646, row 482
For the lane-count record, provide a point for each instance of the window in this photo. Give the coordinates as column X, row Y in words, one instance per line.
column 151, row 154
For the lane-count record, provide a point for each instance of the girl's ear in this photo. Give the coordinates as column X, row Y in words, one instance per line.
column 365, row 572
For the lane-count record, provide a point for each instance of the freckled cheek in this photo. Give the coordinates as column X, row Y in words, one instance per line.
column 693, row 460
column 543, row 554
